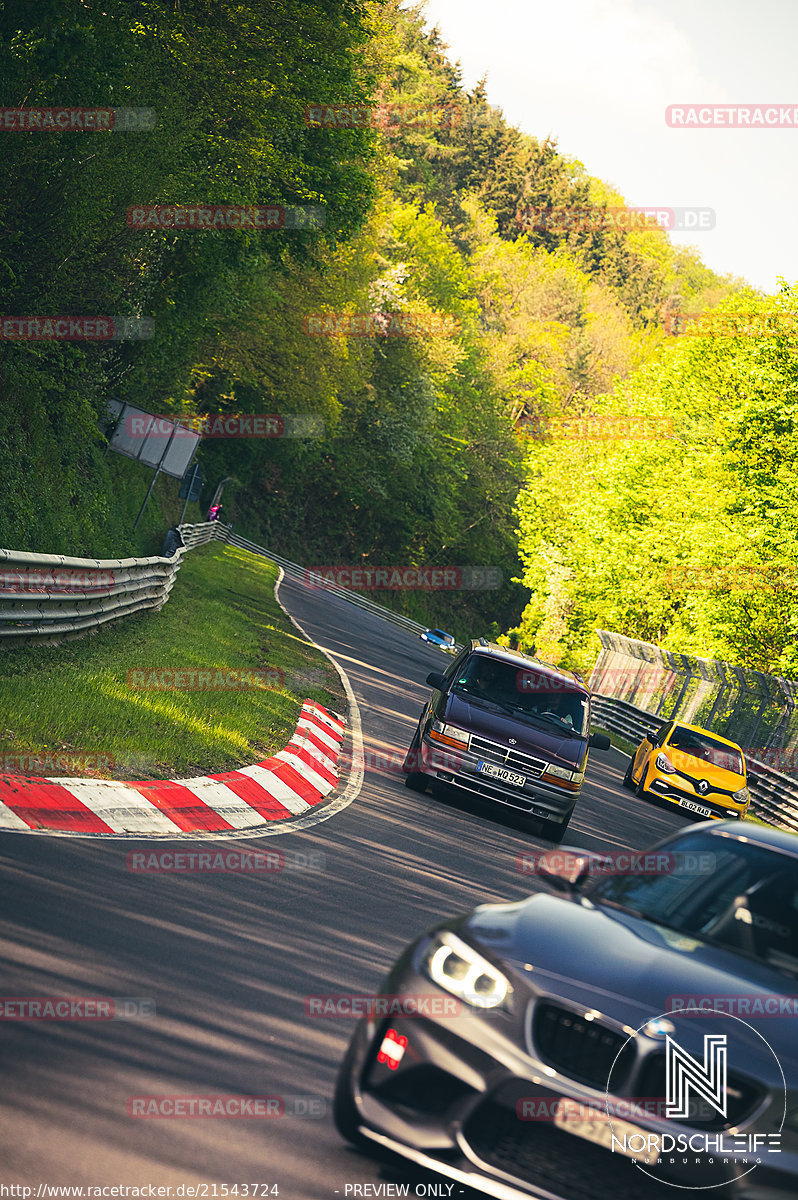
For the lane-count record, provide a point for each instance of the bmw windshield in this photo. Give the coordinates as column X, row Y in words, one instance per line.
column 726, row 892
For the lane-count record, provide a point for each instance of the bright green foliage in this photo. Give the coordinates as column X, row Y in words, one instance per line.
column 686, row 540
column 426, row 439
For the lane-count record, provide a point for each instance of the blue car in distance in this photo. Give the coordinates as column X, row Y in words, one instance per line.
column 438, row 638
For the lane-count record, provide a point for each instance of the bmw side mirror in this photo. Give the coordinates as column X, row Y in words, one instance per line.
column 599, row 741
column 435, row 680
column 567, row 869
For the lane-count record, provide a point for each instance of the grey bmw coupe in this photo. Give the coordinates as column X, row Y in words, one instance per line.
column 627, row 1032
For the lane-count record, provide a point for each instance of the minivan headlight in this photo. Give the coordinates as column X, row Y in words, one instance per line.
column 459, row 969
column 572, row 780
column 449, row 735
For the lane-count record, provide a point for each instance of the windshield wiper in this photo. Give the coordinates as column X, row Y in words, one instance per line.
column 480, row 695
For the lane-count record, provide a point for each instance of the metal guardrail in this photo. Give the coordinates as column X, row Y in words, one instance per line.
column 54, row 597
column 294, row 571
column 774, row 795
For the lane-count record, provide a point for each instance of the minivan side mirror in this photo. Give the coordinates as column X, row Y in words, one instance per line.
column 599, row 741
column 435, row 680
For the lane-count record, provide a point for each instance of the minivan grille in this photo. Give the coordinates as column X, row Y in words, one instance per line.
column 495, row 752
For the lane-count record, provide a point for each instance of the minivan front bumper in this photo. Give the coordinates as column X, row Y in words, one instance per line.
column 461, row 769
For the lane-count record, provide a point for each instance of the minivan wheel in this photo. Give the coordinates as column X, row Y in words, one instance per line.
column 554, row 831
column 415, row 780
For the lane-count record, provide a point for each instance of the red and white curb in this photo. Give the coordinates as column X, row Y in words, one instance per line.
column 251, row 801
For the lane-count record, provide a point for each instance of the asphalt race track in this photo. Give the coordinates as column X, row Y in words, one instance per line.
column 220, row 966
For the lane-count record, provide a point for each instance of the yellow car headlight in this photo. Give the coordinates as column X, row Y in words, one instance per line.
column 664, row 764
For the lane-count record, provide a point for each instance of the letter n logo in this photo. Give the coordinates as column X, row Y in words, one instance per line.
column 683, row 1072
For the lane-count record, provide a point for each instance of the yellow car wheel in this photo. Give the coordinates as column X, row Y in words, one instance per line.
column 640, row 790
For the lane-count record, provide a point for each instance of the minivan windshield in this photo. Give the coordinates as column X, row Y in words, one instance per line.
column 537, row 696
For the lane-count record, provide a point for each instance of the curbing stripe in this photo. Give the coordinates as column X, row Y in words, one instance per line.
column 288, row 804
column 120, row 806
column 248, row 802
column 272, row 783
column 181, row 806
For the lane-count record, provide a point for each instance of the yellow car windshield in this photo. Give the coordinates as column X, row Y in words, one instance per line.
column 707, row 749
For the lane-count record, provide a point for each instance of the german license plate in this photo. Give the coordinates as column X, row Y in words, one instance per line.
column 619, row 1136
column 696, row 808
column 501, row 773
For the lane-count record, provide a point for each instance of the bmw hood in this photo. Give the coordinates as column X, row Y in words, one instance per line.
column 633, row 970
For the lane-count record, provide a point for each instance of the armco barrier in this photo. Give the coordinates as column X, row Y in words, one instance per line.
column 52, row 597
column 294, row 571
column 774, row 795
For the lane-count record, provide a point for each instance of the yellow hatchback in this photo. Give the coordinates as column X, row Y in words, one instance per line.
column 688, row 766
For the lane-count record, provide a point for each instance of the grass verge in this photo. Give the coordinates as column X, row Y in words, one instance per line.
column 89, row 707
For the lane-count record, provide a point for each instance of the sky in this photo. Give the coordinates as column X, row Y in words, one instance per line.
column 598, row 76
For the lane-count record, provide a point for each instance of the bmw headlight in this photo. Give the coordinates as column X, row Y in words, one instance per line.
column 664, row 764
column 458, row 968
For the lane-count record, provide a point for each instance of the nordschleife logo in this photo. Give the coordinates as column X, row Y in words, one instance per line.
column 698, row 1133
column 683, row 1075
